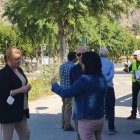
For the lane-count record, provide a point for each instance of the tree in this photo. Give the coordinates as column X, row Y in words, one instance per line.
column 64, row 14
column 8, row 38
column 31, row 14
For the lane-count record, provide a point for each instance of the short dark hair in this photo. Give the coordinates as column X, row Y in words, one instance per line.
column 71, row 56
column 92, row 63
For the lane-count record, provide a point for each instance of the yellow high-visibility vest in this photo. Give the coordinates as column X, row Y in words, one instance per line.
column 134, row 67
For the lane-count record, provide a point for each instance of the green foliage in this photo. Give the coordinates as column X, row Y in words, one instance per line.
column 41, row 85
column 111, row 8
column 7, row 33
column 31, row 28
column 47, row 21
column 118, row 40
column 138, row 44
column 136, row 28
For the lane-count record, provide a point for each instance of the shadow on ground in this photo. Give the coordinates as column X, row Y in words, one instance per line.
column 125, row 128
column 48, row 127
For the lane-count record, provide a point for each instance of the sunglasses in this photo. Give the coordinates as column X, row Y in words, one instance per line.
column 79, row 54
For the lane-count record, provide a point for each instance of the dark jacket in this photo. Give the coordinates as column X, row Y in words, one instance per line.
column 89, row 93
column 75, row 72
column 10, row 81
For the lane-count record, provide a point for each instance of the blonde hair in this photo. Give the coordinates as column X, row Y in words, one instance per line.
column 13, row 53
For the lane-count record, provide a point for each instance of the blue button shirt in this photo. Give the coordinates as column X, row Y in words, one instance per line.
column 64, row 73
column 108, row 71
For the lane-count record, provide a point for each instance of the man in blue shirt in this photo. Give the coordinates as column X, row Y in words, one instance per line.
column 65, row 83
column 108, row 72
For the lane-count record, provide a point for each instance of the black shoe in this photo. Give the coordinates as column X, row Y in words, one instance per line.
column 69, row 129
column 112, row 131
column 136, row 131
column 131, row 117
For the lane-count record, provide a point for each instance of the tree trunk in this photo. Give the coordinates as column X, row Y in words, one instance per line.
column 62, row 47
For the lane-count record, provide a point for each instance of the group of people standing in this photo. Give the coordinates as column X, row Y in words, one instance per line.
column 87, row 91
column 90, row 91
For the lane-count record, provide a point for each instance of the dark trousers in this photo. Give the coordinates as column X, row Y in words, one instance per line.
column 109, row 107
column 66, row 113
column 135, row 91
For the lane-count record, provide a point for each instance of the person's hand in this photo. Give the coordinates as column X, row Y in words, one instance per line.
column 125, row 68
column 26, row 88
column 29, row 86
column 126, row 65
column 23, row 89
column 53, row 80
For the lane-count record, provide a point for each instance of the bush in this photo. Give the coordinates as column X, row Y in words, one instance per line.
column 41, row 85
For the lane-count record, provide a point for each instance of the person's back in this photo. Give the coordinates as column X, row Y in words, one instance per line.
column 64, row 74
column 90, row 100
column 108, row 72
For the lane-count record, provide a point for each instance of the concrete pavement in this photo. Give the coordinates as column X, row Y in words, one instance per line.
column 45, row 122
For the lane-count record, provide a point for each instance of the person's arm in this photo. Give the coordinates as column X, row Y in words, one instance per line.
column 23, row 89
column 5, row 92
column 110, row 74
column 74, row 89
column 127, row 69
column 5, row 89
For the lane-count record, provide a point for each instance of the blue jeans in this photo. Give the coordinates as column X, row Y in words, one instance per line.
column 109, row 107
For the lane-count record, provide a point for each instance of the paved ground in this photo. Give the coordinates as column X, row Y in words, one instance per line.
column 45, row 122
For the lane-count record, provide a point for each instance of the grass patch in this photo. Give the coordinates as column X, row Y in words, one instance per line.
column 41, row 86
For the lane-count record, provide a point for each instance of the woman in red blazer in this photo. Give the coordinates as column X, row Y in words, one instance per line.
column 14, row 89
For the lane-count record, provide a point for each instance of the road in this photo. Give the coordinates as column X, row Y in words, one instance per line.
column 45, row 122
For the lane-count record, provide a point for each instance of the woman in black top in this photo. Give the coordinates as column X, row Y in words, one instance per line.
column 13, row 98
